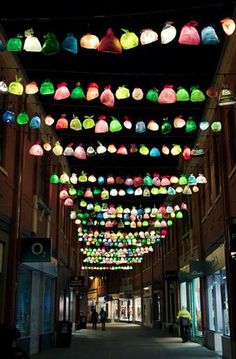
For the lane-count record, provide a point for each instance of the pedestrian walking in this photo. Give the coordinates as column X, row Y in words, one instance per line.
column 94, row 318
column 184, row 319
column 103, row 318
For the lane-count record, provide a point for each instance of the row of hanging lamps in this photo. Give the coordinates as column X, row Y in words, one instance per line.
column 82, row 154
column 147, row 180
column 188, row 35
column 167, row 95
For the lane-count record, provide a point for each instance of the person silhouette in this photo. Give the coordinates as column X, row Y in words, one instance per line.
column 94, row 318
column 103, row 318
column 184, row 318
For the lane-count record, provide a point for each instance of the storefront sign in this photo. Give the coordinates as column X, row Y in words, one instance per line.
column 77, row 281
column 198, row 268
column 171, row 276
column 35, row 249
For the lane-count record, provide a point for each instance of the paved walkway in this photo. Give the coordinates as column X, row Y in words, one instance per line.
column 126, row 341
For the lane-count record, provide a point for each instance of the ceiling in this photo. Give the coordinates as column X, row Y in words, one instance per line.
column 148, row 66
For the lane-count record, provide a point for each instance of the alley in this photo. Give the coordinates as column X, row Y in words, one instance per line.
column 126, row 341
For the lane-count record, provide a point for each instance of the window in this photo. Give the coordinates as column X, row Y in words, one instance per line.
column 48, row 304
column 217, row 297
column 23, row 301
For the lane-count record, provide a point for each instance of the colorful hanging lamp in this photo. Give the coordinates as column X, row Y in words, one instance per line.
column 89, row 41
column 51, row 45
column 36, row 150
column 47, row 88
column 32, row 43
column 14, row 43
column 9, row 116
column 92, row 91
column 35, row 121
column 62, row 92
column 148, row 36
column 168, row 33
column 31, row 88
column 15, row 87
column 70, row 43
column 22, row 118
column 228, row 25
column 110, row 43
column 128, row 40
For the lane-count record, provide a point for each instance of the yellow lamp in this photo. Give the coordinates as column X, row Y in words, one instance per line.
column 89, row 41
column 228, row 26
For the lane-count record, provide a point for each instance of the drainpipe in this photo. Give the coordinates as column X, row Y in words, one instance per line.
column 15, row 234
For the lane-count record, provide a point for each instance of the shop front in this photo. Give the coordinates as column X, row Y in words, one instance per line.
column 126, row 309
column 147, row 306
column 137, row 309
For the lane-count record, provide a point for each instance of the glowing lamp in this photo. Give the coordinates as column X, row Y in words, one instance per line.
column 89, row 41
column 153, row 125
column 3, row 87
column 110, row 43
column 35, row 121
column 8, row 116
column 32, row 43
column 49, row 120
column 70, row 43
column 92, row 91
column 216, row 126
column 190, row 125
column 57, row 149
column 179, row 215
column 186, row 153
column 88, row 122
column 204, row 125
column 228, row 26
column 168, row 33
column 15, row 87
column 22, row 118
column 36, row 150
column 31, row 88
column 176, row 150
column 63, row 194
column 64, row 178
column 148, row 36
column 51, row 45
column 143, row 150
column 122, row 93
column 47, row 146
column 226, row 97
column 111, row 148
column 54, row 179
column 75, row 123
column 47, row 88
column 165, row 150
column 69, row 202
column 182, row 94
column 62, row 92
column 201, row 179
column 62, row 122
column 179, row 122
column 14, row 43
column 128, row 40
column 137, row 94
column 77, row 92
